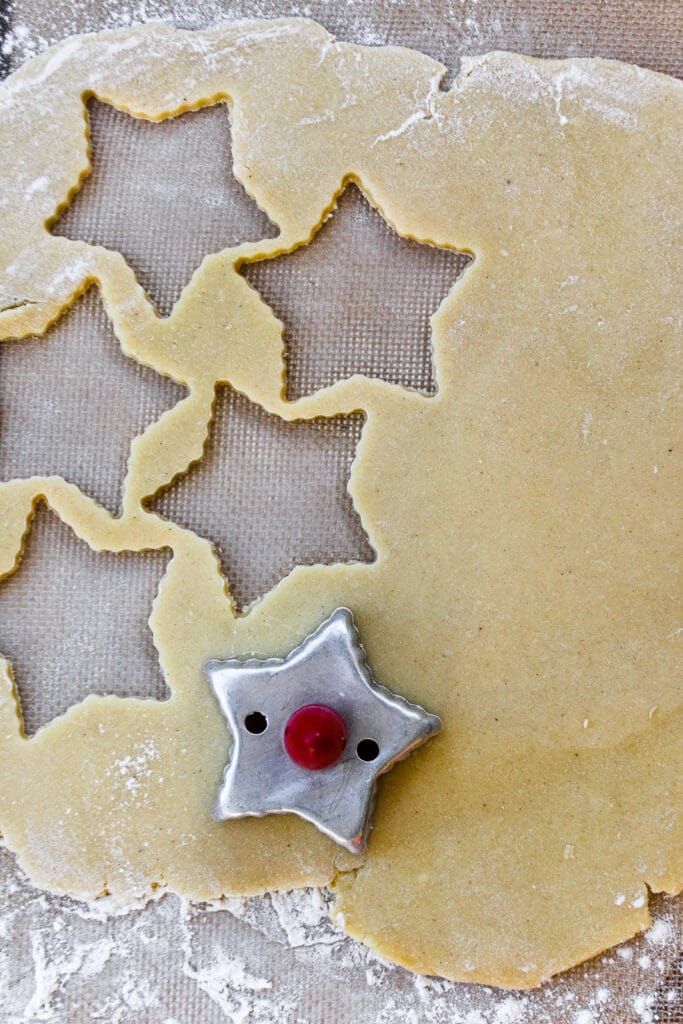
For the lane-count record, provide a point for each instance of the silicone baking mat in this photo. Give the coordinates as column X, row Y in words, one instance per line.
column 164, row 196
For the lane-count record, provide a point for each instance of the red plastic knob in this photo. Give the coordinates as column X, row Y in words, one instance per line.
column 315, row 737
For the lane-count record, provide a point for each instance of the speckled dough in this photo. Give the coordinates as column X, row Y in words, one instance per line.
column 524, row 518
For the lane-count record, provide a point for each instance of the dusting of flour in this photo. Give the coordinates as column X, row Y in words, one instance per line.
column 277, row 960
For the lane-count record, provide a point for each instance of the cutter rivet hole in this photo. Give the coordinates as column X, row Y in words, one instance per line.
column 255, row 723
column 368, row 750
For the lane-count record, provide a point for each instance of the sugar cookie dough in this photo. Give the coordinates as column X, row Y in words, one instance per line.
column 524, row 518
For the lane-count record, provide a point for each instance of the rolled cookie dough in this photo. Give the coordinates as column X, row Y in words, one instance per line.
column 524, row 518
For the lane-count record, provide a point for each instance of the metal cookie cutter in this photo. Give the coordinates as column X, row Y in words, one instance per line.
column 312, row 732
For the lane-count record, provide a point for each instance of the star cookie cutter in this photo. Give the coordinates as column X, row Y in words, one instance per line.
column 312, row 733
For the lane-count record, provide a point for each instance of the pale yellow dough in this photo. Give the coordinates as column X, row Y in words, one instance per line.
column 524, row 519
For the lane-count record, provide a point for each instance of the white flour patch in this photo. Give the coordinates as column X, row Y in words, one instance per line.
column 660, row 933
column 586, row 427
column 510, row 1011
column 304, row 918
column 132, row 770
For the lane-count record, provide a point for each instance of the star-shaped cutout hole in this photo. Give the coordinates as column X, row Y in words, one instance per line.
column 357, row 299
column 163, row 195
column 270, row 494
column 318, row 704
column 74, row 621
column 71, row 402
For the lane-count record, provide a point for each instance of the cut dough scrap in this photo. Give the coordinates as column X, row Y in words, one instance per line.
column 524, row 518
